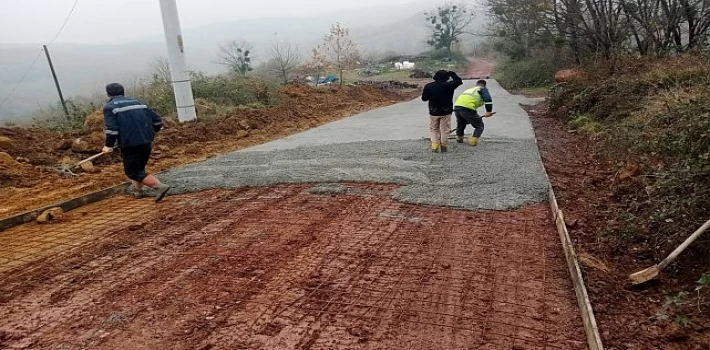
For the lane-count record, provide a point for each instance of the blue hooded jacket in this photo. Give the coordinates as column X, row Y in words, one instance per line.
column 130, row 122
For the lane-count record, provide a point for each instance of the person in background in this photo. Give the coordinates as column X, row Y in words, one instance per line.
column 132, row 125
column 440, row 95
column 466, row 109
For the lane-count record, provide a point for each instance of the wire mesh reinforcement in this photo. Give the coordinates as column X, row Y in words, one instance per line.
column 279, row 267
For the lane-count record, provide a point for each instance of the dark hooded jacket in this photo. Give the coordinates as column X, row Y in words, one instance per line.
column 440, row 93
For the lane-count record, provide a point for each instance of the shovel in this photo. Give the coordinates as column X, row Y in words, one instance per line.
column 68, row 170
column 653, row 271
column 454, row 129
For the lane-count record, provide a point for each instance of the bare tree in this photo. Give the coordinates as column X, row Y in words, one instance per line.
column 601, row 28
column 317, row 62
column 237, row 56
column 448, row 23
column 161, row 69
column 284, row 58
column 340, row 49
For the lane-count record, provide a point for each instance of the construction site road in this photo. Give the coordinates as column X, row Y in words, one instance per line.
column 388, row 145
column 331, row 257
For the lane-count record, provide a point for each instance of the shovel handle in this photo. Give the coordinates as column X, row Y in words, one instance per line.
column 78, row 164
column 684, row 246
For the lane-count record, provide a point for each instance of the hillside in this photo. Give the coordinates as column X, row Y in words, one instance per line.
column 84, row 68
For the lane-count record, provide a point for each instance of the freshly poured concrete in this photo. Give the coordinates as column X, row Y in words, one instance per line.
column 410, row 121
column 387, row 146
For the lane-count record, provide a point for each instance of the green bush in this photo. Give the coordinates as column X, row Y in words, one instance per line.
column 586, row 124
column 55, row 118
column 526, row 73
column 214, row 95
column 224, row 90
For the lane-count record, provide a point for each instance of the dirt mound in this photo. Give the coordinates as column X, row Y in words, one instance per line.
column 392, row 84
column 94, row 122
column 36, row 145
column 567, row 75
column 420, row 74
column 301, row 107
column 6, row 143
column 7, row 160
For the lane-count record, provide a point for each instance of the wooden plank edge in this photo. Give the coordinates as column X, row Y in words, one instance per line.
column 67, row 205
column 591, row 329
column 594, row 340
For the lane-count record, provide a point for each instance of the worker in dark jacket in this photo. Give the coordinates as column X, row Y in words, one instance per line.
column 440, row 95
column 133, row 125
column 466, row 109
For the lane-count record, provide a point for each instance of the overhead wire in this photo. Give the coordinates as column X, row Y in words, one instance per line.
column 34, row 61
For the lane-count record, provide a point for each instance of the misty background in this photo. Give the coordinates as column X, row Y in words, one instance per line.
column 106, row 41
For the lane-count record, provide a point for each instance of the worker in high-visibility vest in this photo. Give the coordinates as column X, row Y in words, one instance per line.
column 466, row 107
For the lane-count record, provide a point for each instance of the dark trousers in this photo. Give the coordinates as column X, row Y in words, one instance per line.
column 466, row 117
column 135, row 160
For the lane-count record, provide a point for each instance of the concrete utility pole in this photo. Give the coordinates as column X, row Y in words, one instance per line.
column 176, row 56
column 56, row 81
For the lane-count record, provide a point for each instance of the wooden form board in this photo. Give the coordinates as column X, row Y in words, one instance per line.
column 594, row 341
column 66, row 206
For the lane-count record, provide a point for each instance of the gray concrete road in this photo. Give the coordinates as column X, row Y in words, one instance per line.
column 387, row 145
column 408, row 121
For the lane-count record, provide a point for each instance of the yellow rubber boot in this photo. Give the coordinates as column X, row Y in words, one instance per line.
column 435, row 147
column 473, row 141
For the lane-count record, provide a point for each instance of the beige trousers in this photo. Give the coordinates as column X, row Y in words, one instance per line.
column 440, row 127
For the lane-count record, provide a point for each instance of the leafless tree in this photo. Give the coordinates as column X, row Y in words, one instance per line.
column 284, row 58
column 161, row 69
column 237, row 56
column 317, row 62
column 604, row 28
column 340, row 49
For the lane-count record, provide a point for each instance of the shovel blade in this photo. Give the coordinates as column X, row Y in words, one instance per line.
column 644, row 276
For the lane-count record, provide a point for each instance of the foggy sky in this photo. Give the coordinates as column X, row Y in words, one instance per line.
column 111, row 21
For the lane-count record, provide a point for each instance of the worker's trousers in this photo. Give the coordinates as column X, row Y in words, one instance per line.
column 468, row 116
column 440, row 127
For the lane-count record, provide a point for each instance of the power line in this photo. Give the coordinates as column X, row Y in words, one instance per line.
column 66, row 20
column 22, row 79
column 39, row 54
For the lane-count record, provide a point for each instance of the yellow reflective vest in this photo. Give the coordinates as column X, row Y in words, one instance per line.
column 470, row 99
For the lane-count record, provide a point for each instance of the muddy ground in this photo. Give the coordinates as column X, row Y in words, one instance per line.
column 289, row 267
column 588, row 189
column 479, row 68
column 28, row 184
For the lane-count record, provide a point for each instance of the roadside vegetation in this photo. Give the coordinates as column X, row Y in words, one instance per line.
column 637, row 89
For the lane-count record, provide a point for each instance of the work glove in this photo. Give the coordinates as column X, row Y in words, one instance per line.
column 106, row 150
column 488, row 114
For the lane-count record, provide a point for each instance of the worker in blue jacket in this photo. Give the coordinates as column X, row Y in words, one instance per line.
column 133, row 125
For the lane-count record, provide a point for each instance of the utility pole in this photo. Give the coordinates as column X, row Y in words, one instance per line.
column 56, row 81
column 182, row 86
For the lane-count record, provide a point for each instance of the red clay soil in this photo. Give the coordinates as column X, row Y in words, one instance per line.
column 287, row 267
column 480, row 68
column 588, row 187
column 29, row 185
